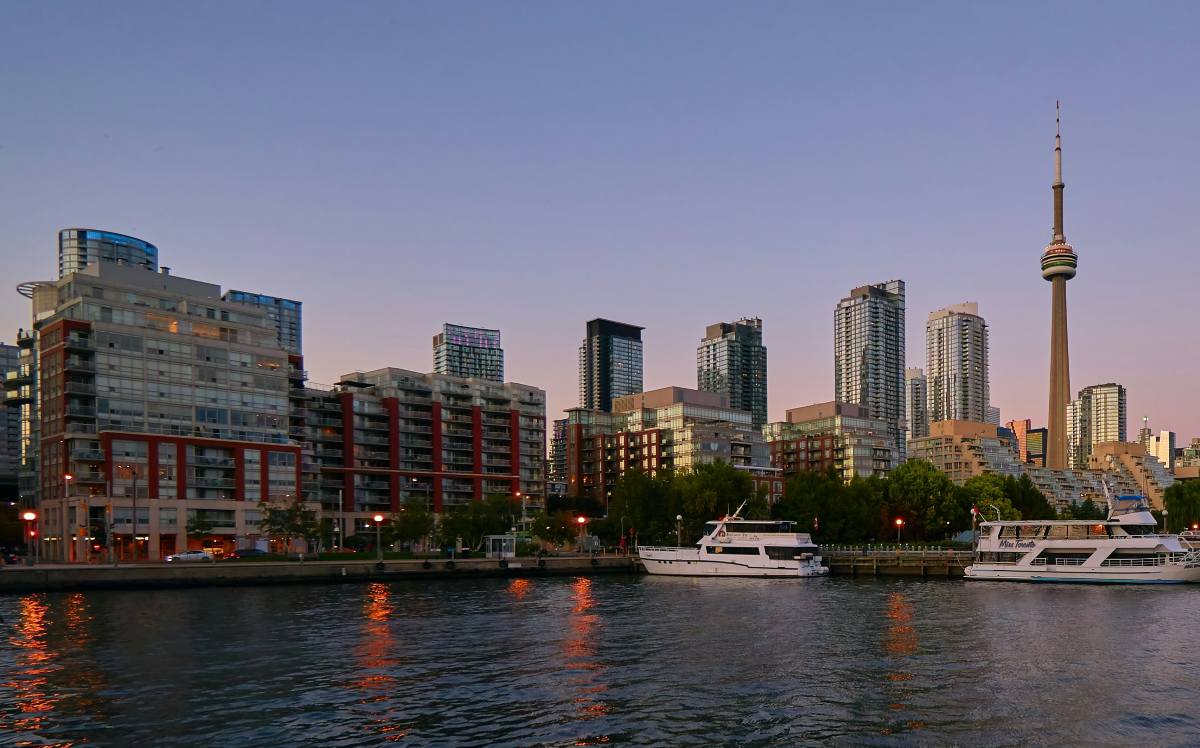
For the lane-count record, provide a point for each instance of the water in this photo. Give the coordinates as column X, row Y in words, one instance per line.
column 609, row 660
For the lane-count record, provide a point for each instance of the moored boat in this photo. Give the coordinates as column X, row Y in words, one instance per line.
column 736, row 547
column 1125, row 548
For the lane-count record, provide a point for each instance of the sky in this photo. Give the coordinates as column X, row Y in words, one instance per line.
column 529, row 166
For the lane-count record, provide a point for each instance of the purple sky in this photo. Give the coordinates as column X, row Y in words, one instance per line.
column 529, row 166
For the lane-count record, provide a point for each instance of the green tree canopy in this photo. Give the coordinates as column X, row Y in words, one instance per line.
column 1182, row 500
column 494, row 515
column 986, row 492
column 289, row 520
column 413, row 522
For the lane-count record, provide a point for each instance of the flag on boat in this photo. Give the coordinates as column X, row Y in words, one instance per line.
column 975, row 511
column 816, row 524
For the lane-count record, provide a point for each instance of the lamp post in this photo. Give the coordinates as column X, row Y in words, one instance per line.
column 678, row 529
column 899, row 526
column 67, row 478
column 30, row 517
column 132, row 470
column 1166, row 527
column 379, row 535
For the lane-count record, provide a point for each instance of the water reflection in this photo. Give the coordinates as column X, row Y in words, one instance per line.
column 900, row 643
column 580, row 651
column 377, row 663
column 519, row 587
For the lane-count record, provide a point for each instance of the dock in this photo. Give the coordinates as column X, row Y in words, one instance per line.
column 934, row 562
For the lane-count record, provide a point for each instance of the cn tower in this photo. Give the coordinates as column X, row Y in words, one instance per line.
column 1058, row 266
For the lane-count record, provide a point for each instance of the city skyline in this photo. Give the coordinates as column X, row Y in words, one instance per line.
column 180, row 187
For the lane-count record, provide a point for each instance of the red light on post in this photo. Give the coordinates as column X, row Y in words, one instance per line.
column 378, row 518
column 581, row 520
column 899, row 522
column 29, row 516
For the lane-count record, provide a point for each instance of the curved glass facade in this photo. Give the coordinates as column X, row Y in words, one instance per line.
column 78, row 248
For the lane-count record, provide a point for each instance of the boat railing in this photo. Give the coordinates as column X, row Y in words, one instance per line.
column 663, row 548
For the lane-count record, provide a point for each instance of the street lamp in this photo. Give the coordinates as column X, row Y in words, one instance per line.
column 678, row 529
column 379, row 535
column 1166, row 527
column 30, row 517
column 899, row 525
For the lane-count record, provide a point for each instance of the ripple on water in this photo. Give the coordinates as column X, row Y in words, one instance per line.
column 603, row 661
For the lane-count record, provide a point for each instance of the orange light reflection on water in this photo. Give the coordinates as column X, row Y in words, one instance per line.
column 900, row 642
column 580, row 655
column 30, row 681
column 376, row 661
column 519, row 587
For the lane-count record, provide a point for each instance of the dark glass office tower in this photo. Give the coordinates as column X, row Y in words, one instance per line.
column 610, row 363
column 732, row 360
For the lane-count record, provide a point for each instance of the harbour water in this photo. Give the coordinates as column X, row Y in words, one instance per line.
column 605, row 660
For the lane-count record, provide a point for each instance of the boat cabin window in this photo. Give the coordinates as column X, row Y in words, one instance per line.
column 1022, row 531
column 787, row 553
column 999, row 557
column 1057, row 532
column 760, row 528
column 727, row 550
column 1078, row 532
column 1135, row 530
column 710, row 528
column 1098, row 531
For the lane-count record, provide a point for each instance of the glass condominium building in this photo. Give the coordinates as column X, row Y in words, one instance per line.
column 868, row 343
column 471, row 352
column 732, row 360
column 79, row 248
column 610, row 363
column 956, row 364
column 284, row 314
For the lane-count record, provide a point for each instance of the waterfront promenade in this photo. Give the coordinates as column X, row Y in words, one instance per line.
column 71, row 577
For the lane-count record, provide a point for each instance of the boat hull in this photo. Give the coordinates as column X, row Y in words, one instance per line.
column 691, row 565
column 1167, row 574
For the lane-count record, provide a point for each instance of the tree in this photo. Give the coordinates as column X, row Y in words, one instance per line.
column 926, row 499
column 1086, row 509
column 1182, row 501
column 986, row 492
column 709, row 491
column 414, row 521
column 1027, row 499
column 197, row 525
column 648, row 505
column 554, row 527
column 493, row 515
column 289, row 521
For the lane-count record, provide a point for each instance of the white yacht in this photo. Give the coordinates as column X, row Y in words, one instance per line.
column 736, row 547
column 1125, row 548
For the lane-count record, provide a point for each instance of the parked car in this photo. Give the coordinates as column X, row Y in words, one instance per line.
column 247, row 553
column 183, row 556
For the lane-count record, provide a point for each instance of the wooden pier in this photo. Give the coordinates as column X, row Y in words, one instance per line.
column 932, row 562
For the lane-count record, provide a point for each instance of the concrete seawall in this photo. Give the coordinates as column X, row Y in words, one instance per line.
column 232, row 573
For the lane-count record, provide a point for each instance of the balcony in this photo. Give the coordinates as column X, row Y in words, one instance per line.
column 77, row 343
column 88, row 455
column 80, row 411
column 81, row 388
column 365, row 439
column 78, row 364
column 214, row 461
column 211, row 482
column 323, row 452
column 91, row 476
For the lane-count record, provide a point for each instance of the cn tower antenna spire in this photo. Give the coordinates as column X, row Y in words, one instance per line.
column 1059, row 234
